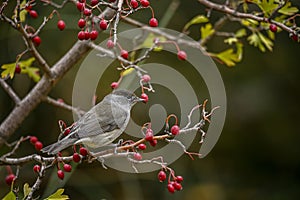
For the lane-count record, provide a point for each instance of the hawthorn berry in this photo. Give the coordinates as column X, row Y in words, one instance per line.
column 83, row 151
column 38, row 145
column 94, row 2
column 33, row 139
column 36, row 168
column 93, row 34
column 177, row 186
column 33, row 14
column 295, row 37
column 61, row 25
column 110, row 44
column 145, row 3
column 9, row 179
column 149, row 135
column 179, row 179
column 87, row 12
column 28, row 8
column 67, row 131
column 36, row 40
column 18, row 69
column 81, row 35
column 273, row 28
column 171, row 188
column 181, row 55
column 76, row 157
column 134, row 4
column 67, row 168
column 124, row 54
column 145, row 97
column 142, row 146
column 114, row 85
column 86, row 35
column 146, row 78
column 137, row 156
column 60, row 174
column 81, row 23
column 80, row 6
column 175, row 130
column 103, row 24
column 161, row 176
column 153, row 143
column 153, row 22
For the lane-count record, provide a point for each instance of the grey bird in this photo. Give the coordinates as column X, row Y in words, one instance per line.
column 101, row 125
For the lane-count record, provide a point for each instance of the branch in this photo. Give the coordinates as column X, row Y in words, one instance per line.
column 10, row 91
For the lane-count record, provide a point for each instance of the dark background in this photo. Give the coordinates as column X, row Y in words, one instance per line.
column 256, row 157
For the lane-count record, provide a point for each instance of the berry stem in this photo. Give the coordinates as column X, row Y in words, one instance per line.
column 172, row 115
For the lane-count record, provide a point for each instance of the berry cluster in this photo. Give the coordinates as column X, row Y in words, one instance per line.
column 149, row 136
column 37, row 144
column 174, row 184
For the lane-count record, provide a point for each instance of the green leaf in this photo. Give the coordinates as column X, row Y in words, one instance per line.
column 148, row 42
column 33, row 73
column 196, row 20
column 267, row 6
column 256, row 41
column 266, row 41
column 229, row 57
column 26, row 190
column 9, row 70
column 58, row 195
column 23, row 12
column 231, row 40
column 206, row 31
column 288, row 10
column 10, row 196
column 241, row 33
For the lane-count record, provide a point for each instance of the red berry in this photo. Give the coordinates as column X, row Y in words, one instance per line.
column 181, row 55
column 81, row 23
column 28, row 8
column 179, row 179
column 9, row 179
column 153, row 22
column 60, row 174
column 67, row 131
column 134, row 4
column 87, row 12
column 38, row 145
column 83, row 151
column 145, row 97
column 36, row 40
column 80, row 6
column 149, row 135
column 273, row 28
column 61, row 25
column 86, row 35
column 177, row 186
column 142, row 146
column 175, row 130
column 76, row 157
column 146, row 78
column 36, row 168
column 33, row 14
column 171, row 187
column 161, row 176
column 153, row 143
column 124, row 54
column 110, row 44
column 93, row 34
column 137, row 156
column 67, row 168
column 114, row 85
column 94, row 2
column 18, row 69
column 103, row 24
column 295, row 37
column 33, row 139
column 145, row 3
column 81, row 35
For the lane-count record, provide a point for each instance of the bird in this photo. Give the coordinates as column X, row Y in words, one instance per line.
column 101, row 125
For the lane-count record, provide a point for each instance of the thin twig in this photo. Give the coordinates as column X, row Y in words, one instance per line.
column 10, row 91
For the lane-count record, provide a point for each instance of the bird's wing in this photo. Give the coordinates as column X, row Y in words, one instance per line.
column 101, row 119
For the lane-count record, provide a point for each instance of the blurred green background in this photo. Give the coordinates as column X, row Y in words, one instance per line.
column 256, row 157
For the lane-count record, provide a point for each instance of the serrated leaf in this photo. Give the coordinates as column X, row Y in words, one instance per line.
column 228, row 57
column 10, row 196
column 206, row 31
column 231, row 40
column 241, row 33
column 58, row 195
column 196, row 20
column 33, row 73
column 255, row 41
column 267, row 6
column 288, row 10
column 249, row 22
column 266, row 41
column 271, row 35
column 26, row 190
column 9, row 70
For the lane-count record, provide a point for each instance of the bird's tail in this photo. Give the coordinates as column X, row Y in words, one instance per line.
column 58, row 146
